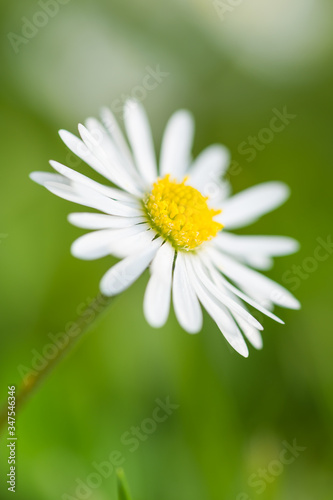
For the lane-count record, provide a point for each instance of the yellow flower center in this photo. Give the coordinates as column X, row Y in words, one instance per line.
column 181, row 214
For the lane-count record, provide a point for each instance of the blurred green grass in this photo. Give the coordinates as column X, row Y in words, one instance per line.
column 234, row 414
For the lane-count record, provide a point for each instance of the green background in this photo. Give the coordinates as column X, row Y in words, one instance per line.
column 234, row 414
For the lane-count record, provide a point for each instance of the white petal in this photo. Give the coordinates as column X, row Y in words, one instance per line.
column 89, row 198
column 113, row 170
column 185, row 302
column 106, row 142
column 221, row 281
column 139, row 135
column 258, row 297
column 246, row 207
column 123, row 274
column 133, row 244
column 206, row 280
column 99, row 243
column 94, row 145
column 249, row 278
column 114, row 130
column 208, row 168
column 119, row 245
column 80, row 149
column 158, row 292
column 76, row 177
column 177, row 144
column 43, row 177
column 252, row 334
column 261, row 262
column 217, row 311
column 271, row 246
column 100, row 221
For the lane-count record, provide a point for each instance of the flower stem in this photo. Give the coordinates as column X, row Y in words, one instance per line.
column 123, row 489
column 34, row 378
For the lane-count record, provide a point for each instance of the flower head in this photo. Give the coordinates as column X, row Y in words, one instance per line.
column 180, row 214
column 175, row 219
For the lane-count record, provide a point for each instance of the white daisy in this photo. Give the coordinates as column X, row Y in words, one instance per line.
column 171, row 218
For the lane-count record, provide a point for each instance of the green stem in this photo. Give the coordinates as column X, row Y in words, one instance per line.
column 123, row 489
column 34, row 379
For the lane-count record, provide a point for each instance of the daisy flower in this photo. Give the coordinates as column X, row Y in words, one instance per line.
column 174, row 218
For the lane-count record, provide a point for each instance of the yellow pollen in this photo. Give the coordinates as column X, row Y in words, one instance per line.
column 181, row 214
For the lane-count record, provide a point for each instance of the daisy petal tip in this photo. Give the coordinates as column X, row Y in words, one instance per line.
column 41, row 178
column 277, row 191
column 277, row 319
column 193, row 331
column 294, row 246
column 55, row 164
column 131, row 100
column 254, row 322
column 152, row 319
column 105, row 289
column 73, row 250
column 76, row 251
column 106, row 115
column 35, row 176
column 81, row 128
column 288, row 301
column 185, row 114
column 131, row 104
column 282, row 189
column 154, row 324
column 293, row 304
column 242, row 350
column 223, row 151
column 297, row 245
column 106, row 292
column 109, row 288
column 62, row 133
column 71, row 218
